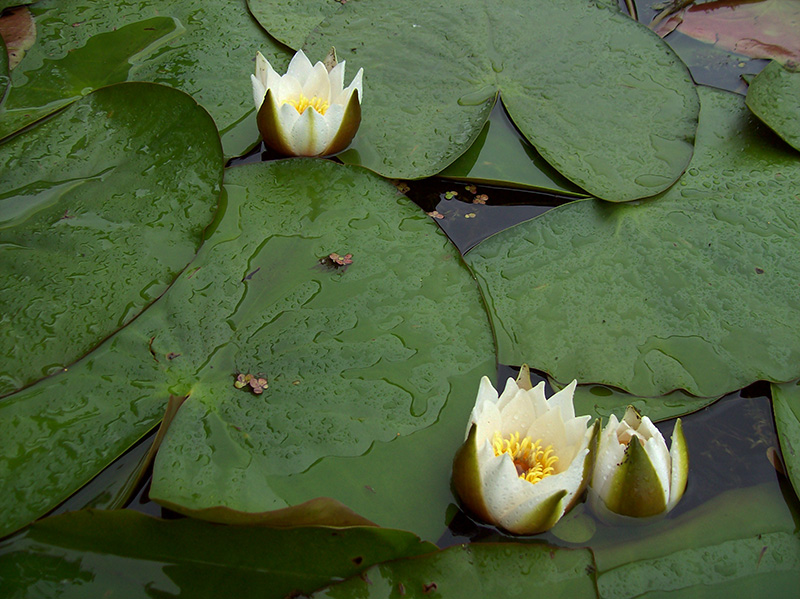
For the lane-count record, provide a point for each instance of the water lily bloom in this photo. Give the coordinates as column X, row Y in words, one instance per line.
column 306, row 112
column 634, row 473
column 526, row 459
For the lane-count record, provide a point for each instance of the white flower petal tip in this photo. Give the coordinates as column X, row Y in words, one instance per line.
column 635, row 475
column 323, row 119
column 523, row 464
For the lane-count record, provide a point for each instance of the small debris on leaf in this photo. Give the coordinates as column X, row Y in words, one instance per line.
column 336, row 261
column 435, row 214
column 256, row 384
column 401, row 186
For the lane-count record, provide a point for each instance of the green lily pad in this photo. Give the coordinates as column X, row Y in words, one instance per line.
column 786, row 405
column 83, row 45
column 371, row 367
column 694, row 290
column 84, row 554
column 477, row 570
column 291, row 21
column 601, row 98
column 100, row 208
column 601, row 401
column 501, row 156
column 774, row 97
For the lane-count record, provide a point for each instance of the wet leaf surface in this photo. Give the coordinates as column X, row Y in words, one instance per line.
column 99, row 554
column 477, row 570
column 786, row 405
column 774, row 97
column 83, row 45
column 633, row 139
column 695, row 290
column 368, row 366
column 100, row 208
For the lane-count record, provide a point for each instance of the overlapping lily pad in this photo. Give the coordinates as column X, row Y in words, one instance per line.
column 84, row 553
column 598, row 95
column 694, row 290
column 100, row 208
column 786, row 405
column 371, row 366
column 774, row 97
column 477, row 570
column 186, row 44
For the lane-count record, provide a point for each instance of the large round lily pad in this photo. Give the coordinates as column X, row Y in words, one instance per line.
column 371, row 367
column 187, row 44
column 694, row 290
column 100, row 208
column 774, row 97
column 600, row 97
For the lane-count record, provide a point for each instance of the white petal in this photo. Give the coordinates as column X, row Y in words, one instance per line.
column 516, row 414
column 563, row 401
column 538, row 399
column 501, row 484
column 656, row 449
column 550, row 429
column 355, row 86
column 318, row 85
column 287, row 88
column 488, row 422
column 262, row 67
column 336, row 77
column 300, row 67
column 259, row 91
column 310, row 134
column 508, row 393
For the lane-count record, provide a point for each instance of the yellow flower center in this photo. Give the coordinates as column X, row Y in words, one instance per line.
column 533, row 462
column 302, row 103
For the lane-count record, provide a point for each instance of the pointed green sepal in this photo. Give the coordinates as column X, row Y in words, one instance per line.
column 679, row 456
column 635, row 488
column 269, row 125
column 467, row 477
column 347, row 130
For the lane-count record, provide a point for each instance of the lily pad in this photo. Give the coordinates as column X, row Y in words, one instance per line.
column 774, row 97
column 367, row 365
column 501, row 156
column 694, row 290
column 84, row 554
column 477, row 570
column 598, row 95
column 291, row 21
column 786, row 405
column 84, row 45
column 100, row 208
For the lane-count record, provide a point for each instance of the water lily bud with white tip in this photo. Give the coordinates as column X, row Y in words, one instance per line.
column 307, row 111
column 526, row 459
column 634, row 473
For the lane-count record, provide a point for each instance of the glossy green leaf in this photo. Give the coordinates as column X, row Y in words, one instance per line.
column 477, row 570
column 291, row 21
column 100, row 208
column 115, row 554
column 786, row 405
column 371, row 369
column 598, row 95
column 186, row 44
column 693, row 290
column 601, row 401
column 501, row 156
column 774, row 97
column 4, row 4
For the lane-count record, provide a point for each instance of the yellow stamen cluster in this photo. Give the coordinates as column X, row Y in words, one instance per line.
column 533, row 462
column 302, row 103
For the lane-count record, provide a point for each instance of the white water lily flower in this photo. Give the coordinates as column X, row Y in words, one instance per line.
column 634, row 473
column 306, row 112
column 526, row 459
